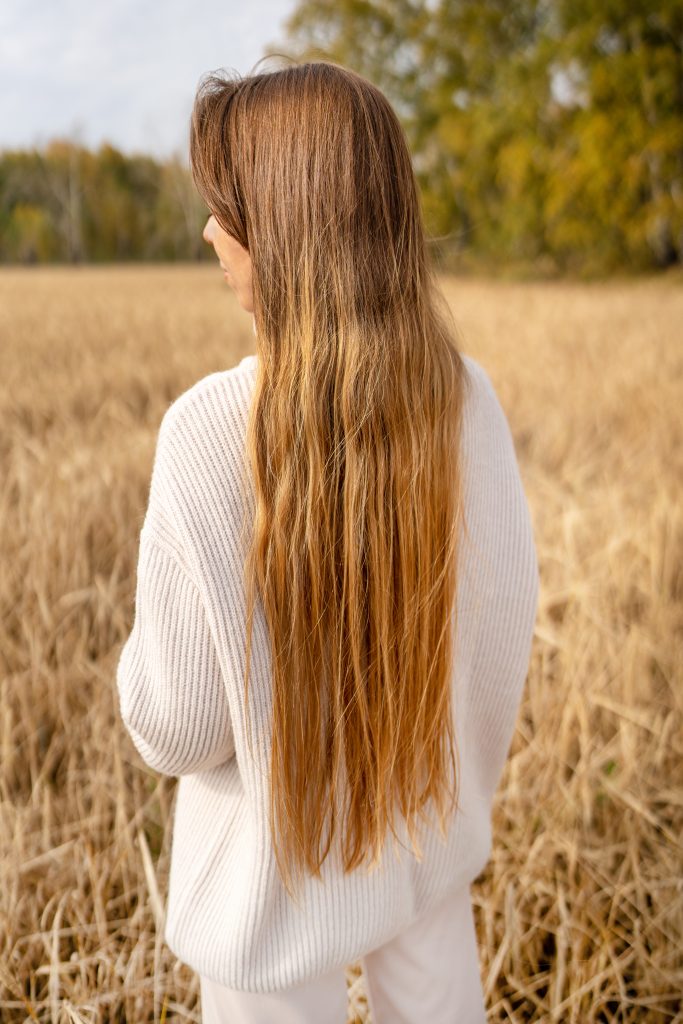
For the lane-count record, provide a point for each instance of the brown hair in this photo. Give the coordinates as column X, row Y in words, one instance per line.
column 353, row 444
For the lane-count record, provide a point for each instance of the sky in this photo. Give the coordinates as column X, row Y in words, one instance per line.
column 122, row 71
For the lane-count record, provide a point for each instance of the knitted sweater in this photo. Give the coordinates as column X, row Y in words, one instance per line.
column 180, row 684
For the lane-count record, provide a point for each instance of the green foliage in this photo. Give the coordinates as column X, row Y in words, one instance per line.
column 28, row 230
column 66, row 204
column 544, row 131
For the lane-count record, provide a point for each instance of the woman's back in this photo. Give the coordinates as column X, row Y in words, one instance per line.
column 228, row 913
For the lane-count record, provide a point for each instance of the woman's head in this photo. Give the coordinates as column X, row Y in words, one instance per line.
column 307, row 169
column 353, row 443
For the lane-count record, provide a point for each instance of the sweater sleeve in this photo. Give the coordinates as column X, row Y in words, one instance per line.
column 502, row 567
column 172, row 694
column 171, row 691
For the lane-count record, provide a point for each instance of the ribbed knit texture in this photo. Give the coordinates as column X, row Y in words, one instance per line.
column 180, row 682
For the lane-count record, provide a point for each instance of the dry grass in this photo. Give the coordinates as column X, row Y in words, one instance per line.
column 579, row 911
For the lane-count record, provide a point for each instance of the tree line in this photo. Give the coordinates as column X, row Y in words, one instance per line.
column 65, row 203
column 544, row 133
column 547, row 132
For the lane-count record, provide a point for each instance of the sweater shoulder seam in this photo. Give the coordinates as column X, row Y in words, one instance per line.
column 153, row 539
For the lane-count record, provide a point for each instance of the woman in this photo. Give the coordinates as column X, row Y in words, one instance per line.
column 337, row 582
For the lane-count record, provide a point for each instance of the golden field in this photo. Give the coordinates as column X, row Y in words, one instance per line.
column 580, row 909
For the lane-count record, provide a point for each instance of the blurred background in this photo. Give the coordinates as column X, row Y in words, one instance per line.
column 547, row 135
column 547, row 138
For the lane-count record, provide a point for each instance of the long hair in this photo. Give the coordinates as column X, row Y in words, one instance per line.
column 354, row 453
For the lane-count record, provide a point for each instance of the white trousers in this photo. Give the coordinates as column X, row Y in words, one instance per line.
column 429, row 974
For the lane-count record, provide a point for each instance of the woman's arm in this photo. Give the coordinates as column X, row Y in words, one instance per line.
column 172, row 693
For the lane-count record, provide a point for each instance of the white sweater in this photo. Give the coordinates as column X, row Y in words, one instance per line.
column 180, row 683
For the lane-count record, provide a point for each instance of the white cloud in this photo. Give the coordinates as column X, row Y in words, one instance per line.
column 122, row 71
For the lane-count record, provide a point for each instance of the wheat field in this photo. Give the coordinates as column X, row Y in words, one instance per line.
column 580, row 909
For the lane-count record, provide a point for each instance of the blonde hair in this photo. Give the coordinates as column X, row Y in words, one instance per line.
column 353, row 446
